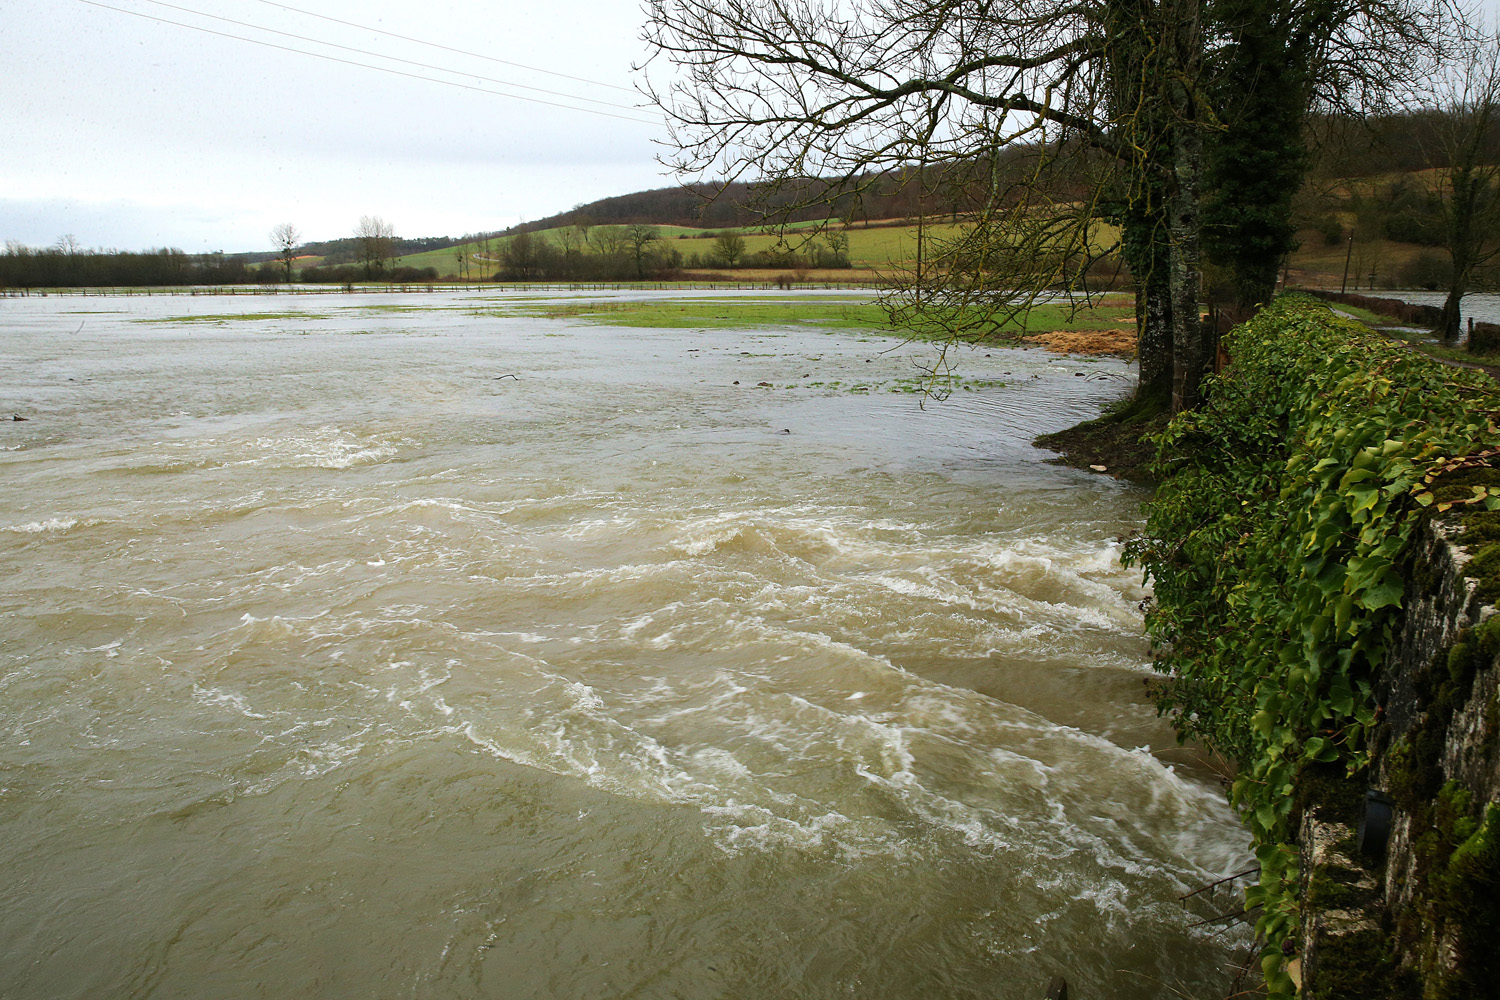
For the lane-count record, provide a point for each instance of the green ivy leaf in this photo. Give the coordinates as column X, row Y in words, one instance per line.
column 1385, row 594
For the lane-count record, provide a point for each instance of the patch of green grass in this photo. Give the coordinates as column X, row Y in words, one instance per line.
column 1365, row 316
column 1419, row 339
column 699, row 314
column 829, row 313
column 446, row 260
column 235, row 317
column 1007, row 328
column 399, row 308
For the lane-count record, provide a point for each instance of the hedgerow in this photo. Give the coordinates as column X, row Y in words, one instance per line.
column 1273, row 545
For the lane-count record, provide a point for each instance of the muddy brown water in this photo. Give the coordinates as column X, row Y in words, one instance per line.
column 336, row 664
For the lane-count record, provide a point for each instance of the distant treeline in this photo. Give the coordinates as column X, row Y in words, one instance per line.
column 1388, row 144
column 1367, row 184
column 347, row 274
column 1380, row 153
column 52, row 267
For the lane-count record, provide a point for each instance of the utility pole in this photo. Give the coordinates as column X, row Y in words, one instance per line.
column 1344, row 285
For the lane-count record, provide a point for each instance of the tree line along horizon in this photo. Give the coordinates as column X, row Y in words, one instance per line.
column 1374, row 182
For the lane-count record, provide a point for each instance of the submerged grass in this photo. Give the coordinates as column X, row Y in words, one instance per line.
column 828, row 312
column 397, row 308
column 1433, row 347
column 234, row 317
column 700, row 314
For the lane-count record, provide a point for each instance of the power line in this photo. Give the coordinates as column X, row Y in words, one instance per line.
column 378, row 55
column 380, row 69
column 462, row 52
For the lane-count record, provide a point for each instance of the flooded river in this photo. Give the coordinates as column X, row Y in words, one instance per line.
column 416, row 646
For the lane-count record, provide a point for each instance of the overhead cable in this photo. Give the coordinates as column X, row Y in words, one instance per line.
column 380, row 69
column 379, row 55
column 462, row 52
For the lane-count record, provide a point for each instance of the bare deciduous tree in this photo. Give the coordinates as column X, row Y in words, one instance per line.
column 729, row 246
column 1466, row 109
column 641, row 243
column 377, row 240
column 978, row 108
column 524, row 255
column 285, row 237
column 570, row 243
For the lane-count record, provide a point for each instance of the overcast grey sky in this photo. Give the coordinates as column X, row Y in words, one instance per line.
column 128, row 132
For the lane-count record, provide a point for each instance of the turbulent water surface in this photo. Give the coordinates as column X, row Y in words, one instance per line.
column 336, row 663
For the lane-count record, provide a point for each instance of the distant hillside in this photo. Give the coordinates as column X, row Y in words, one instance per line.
column 671, row 206
column 1389, row 144
column 891, row 194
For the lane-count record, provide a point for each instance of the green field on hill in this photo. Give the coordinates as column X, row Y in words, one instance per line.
column 869, row 247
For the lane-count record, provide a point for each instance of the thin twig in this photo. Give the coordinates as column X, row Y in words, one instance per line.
column 1226, row 916
column 1230, row 878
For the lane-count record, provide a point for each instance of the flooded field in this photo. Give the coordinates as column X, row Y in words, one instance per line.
column 383, row 646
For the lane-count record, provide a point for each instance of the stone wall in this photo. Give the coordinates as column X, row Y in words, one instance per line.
column 1415, row 913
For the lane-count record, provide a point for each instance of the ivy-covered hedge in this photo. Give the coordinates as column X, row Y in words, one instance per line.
column 1273, row 545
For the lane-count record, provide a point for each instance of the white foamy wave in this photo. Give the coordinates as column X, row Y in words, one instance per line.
column 231, row 700
column 741, row 826
column 319, row 760
column 760, row 533
column 871, row 760
column 52, row 524
column 325, row 448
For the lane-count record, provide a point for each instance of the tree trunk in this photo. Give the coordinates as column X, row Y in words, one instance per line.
column 1154, row 349
column 1139, row 112
column 1449, row 326
column 1255, row 157
column 1188, row 359
column 1183, row 212
column 1462, row 240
